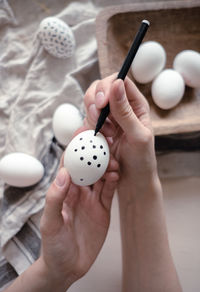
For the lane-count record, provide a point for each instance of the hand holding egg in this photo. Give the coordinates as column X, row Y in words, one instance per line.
column 86, row 158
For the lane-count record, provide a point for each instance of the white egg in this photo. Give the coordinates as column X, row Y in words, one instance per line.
column 20, row 169
column 86, row 158
column 187, row 63
column 57, row 37
column 148, row 62
column 66, row 120
column 168, row 89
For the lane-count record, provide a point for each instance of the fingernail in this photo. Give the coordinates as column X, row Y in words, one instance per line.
column 93, row 112
column 61, row 178
column 121, row 92
column 99, row 99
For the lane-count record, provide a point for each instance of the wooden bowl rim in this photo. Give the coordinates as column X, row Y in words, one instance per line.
column 110, row 11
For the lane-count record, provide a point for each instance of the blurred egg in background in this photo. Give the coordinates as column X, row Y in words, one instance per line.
column 168, row 89
column 148, row 62
column 187, row 63
column 66, row 120
column 20, row 169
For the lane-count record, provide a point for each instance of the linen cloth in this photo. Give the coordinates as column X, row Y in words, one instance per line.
column 33, row 84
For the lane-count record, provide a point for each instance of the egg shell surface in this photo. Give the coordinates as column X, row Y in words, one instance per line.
column 86, row 158
column 168, row 89
column 57, row 37
column 20, row 169
column 150, row 59
column 187, row 63
column 66, row 120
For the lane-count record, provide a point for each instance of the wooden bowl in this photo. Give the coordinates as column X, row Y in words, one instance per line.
column 176, row 25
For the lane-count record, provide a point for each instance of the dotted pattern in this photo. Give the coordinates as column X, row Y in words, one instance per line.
column 87, row 157
column 57, row 37
column 94, row 158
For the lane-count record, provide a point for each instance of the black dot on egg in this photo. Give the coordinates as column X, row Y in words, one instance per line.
column 99, row 165
column 89, row 163
column 104, row 153
column 94, row 157
column 75, row 150
column 83, row 147
column 101, row 146
column 94, row 146
column 81, row 179
column 81, row 158
column 90, row 141
column 81, row 138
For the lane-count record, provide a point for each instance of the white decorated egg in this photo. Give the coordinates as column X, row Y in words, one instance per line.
column 148, row 62
column 20, row 169
column 168, row 89
column 66, row 120
column 57, row 37
column 86, row 158
column 187, row 63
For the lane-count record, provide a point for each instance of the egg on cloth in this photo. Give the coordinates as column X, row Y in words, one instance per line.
column 86, row 158
column 66, row 120
column 148, row 62
column 187, row 63
column 57, row 37
column 20, row 169
column 168, row 89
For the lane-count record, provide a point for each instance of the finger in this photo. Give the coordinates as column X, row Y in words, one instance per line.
column 103, row 90
column 108, row 129
column 111, row 176
column 72, row 196
column 122, row 110
column 55, row 197
column 113, row 165
column 108, row 193
column 138, row 102
column 89, row 97
column 61, row 164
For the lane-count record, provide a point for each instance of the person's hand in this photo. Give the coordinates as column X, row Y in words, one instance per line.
column 74, row 224
column 128, row 123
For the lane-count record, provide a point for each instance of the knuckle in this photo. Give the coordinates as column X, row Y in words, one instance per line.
column 126, row 112
column 147, row 138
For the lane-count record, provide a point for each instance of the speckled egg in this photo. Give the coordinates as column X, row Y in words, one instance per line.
column 57, row 37
column 86, row 158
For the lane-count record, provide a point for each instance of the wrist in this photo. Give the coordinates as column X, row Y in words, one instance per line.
column 142, row 187
column 51, row 280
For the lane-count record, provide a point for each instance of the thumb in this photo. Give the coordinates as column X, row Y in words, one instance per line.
column 55, row 197
column 121, row 109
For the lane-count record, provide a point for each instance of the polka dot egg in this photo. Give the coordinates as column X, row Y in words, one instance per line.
column 57, row 37
column 86, row 158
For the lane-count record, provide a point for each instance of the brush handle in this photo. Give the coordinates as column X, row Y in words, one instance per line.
column 124, row 69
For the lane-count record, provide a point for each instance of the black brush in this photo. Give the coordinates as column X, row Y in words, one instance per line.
column 124, row 69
